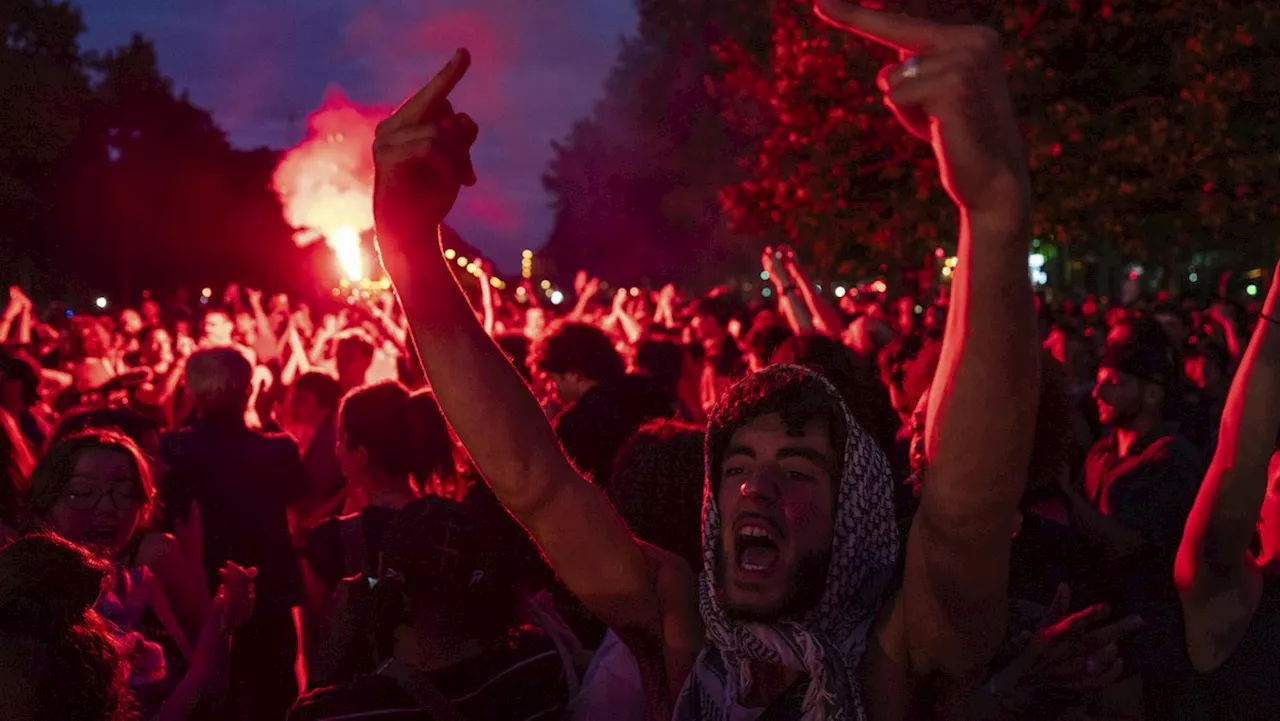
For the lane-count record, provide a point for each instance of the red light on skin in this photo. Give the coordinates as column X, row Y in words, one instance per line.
column 1133, row 275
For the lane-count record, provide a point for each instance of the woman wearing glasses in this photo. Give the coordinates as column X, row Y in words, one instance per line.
column 95, row 488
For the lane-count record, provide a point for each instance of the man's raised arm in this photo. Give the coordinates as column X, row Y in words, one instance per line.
column 952, row 91
column 422, row 157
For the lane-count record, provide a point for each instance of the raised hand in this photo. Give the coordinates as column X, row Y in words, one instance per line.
column 18, row 298
column 766, row 259
column 232, row 606
column 235, row 594
column 781, row 264
column 301, row 320
column 951, row 90
column 1087, row 658
column 422, row 157
column 1077, row 652
column 1067, row 652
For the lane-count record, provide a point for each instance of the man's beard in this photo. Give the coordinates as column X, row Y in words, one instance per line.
column 806, row 582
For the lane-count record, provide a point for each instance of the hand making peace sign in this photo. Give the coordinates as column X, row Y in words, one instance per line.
column 950, row 90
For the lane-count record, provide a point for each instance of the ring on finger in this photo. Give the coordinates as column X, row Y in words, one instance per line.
column 910, row 68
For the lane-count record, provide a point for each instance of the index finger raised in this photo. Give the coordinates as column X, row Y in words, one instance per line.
column 904, row 32
column 435, row 92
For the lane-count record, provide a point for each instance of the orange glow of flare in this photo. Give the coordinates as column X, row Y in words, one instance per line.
column 325, row 183
column 345, row 242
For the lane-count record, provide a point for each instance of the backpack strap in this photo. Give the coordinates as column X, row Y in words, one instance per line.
column 423, row 691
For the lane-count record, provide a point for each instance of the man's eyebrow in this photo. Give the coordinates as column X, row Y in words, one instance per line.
column 805, row 452
column 740, row 450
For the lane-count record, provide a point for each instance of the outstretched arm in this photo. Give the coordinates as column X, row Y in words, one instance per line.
column 982, row 410
column 1217, row 576
column 979, row 431
column 421, row 159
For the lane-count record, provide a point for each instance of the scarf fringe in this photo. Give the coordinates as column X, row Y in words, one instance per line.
column 818, row 697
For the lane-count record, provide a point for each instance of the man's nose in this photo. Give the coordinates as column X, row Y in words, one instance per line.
column 761, row 485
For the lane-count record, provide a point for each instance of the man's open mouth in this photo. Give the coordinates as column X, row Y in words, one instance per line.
column 756, row 546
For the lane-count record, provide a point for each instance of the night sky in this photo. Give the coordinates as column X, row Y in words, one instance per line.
column 261, row 67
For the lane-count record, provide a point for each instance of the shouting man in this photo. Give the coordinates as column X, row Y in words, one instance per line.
column 796, row 613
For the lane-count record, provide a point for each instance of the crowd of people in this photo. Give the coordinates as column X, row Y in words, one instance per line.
column 435, row 504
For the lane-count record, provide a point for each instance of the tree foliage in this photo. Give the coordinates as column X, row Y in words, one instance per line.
column 1150, row 128
column 826, row 168
column 635, row 183
column 47, row 99
column 177, row 200
column 110, row 177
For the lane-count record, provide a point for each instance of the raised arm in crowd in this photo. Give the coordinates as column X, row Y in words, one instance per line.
column 951, row 92
column 1229, row 591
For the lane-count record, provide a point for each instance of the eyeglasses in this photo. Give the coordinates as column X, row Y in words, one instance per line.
column 124, row 497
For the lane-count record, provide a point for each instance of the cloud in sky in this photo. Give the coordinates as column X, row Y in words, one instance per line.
column 261, row 67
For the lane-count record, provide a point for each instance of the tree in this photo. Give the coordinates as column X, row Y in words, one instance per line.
column 165, row 199
column 1150, row 130
column 635, row 183
column 825, row 166
column 112, row 181
column 1158, row 140
column 47, row 97
column 182, row 200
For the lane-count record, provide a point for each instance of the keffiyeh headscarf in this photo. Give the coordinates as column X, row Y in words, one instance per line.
column 828, row 643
